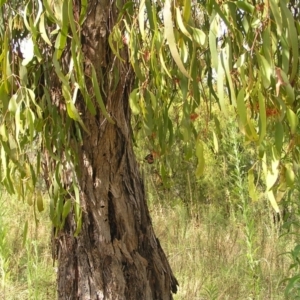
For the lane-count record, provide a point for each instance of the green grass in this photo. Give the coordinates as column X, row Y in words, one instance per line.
column 209, row 255
column 26, row 269
column 210, row 252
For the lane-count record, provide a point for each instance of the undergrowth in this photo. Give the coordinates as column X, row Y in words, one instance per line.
column 26, row 267
column 214, row 258
column 221, row 244
column 212, row 254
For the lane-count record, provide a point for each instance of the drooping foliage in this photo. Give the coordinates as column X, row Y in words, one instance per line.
column 184, row 54
column 246, row 53
column 40, row 130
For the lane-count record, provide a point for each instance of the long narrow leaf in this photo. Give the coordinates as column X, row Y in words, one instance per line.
column 99, row 97
column 169, row 34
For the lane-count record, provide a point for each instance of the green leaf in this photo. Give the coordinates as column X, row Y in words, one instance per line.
column 184, row 85
column 58, row 71
column 18, row 123
column 153, row 99
column 78, row 223
column 30, row 95
column 58, row 211
column 66, row 208
column 220, row 88
column 188, row 154
column 285, row 53
column 6, row 71
column 71, row 109
column 171, row 132
column 273, row 201
column 245, row 6
column 181, row 25
column 99, row 97
column 72, row 22
column 142, row 18
column 74, row 114
column 187, row 10
column 50, row 13
column 77, row 210
column 293, row 40
column 290, row 94
column 161, row 58
column 4, row 96
column 77, row 58
column 200, row 157
column 83, row 10
column 241, row 107
column 62, row 7
column 226, row 59
column 39, row 201
column 262, row 117
column 162, row 136
column 12, row 105
column 216, row 144
column 115, row 38
column 267, row 46
column 151, row 14
column 272, row 174
column 25, row 13
column 212, row 37
column 60, row 44
column 3, row 159
column 282, row 78
column 133, row 102
column 149, row 121
column 277, row 16
column 289, row 175
column 217, row 8
column 169, row 34
column 3, row 133
column 184, row 51
column 279, row 134
column 77, row 200
column 30, row 117
column 266, row 70
column 292, row 119
column 199, row 36
column 23, row 75
column 292, row 284
column 43, row 30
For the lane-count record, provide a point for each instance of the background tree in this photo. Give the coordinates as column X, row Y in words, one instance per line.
column 68, row 97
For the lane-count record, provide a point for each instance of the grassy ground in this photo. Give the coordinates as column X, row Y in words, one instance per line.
column 26, row 268
column 213, row 257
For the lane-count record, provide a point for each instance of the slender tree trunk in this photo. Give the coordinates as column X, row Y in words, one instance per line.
column 116, row 255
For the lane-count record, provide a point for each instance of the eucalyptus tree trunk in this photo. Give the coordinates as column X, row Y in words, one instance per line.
column 116, row 255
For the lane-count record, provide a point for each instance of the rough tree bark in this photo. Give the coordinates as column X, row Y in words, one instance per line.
column 116, row 255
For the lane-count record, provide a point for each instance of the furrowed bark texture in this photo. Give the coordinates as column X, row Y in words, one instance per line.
column 116, row 255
